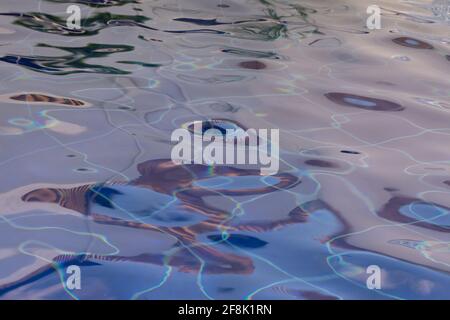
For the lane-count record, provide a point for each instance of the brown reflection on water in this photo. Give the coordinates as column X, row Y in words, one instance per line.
column 41, row 98
column 391, row 211
column 256, row 65
column 165, row 177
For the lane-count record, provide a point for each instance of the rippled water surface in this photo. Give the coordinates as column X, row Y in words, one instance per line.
column 86, row 176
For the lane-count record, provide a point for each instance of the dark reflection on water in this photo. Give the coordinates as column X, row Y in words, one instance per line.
column 98, row 3
column 71, row 63
column 239, row 240
column 85, row 133
column 252, row 53
column 90, row 26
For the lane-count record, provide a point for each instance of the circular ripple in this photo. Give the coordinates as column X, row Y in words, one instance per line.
column 361, row 102
column 215, row 124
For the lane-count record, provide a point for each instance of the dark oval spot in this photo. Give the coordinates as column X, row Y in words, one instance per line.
column 350, row 152
column 320, row 163
column 412, row 43
column 85, row 170
column 71, row 156
column 223, row 107
column 255, row 65
column 448, row 57
column 239, row 240
column 447, row 182
column 223, row 6
column 200, row 22
column 351, row 100
column 126, row 108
